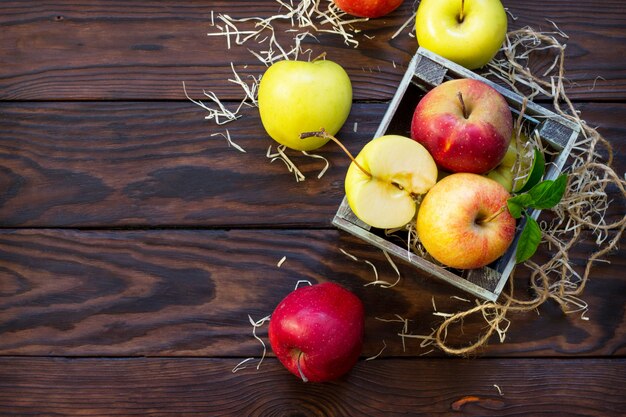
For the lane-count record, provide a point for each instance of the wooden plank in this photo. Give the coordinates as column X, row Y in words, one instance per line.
column 189, row 293
column 94, row 164
column 158, row 164
column 586, row 37
column 190, row 387
column 145, row 51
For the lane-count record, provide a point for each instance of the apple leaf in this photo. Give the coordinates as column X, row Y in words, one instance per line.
column 547, row 194
column 536, row 172
column 543, row 195
column 528, row 241
column 518, row 203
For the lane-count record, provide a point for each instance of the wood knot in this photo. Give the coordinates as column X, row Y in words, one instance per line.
column 486, row 402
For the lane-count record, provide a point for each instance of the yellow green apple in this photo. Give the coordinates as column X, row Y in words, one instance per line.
column 390, row 172
column 504, row 172
column 465, row 124
column 302, row 96
column 468, row 32
column 463, row 221
column 521, row 169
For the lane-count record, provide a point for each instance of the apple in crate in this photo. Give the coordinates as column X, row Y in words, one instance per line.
column 317, row 331
column 465, row 124
column 368, row 8
column 463, row 222
column 503, row 173
column 387, row 175
column 301, row 96
column 468, row 32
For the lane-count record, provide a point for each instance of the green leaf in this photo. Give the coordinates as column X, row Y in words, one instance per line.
column 529, row 240
column 536, row 172
column 547, row 194
column 517, row 204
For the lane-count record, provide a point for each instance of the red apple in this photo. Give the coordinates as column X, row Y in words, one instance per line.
column 368, row 8
column 463, row 221
column 317, row 331
column 465, row 124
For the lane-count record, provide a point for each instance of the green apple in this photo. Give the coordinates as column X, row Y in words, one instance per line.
column 504, row 173
column 301, row 96
column 463, row 221
column 389, row 173
column 519, row 170
column 468, row 32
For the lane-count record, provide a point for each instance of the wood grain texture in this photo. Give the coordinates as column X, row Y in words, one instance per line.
column 145, row 50
column 135, row 243
column 94, row 164
column 200, row 387
column 158, row 164
column 189, row 293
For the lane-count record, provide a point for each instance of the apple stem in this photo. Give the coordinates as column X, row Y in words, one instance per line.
column 460, row 96
column 320, row 56
column 462, row 15
column 323, row 134
column 304, row 378
column 493, row 216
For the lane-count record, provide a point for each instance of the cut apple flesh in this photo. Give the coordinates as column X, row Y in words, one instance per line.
column 381, row 204
column 400, row 169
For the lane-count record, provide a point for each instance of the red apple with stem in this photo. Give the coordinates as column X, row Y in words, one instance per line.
column 368, row 8
column 465, row 124
column 317, row 331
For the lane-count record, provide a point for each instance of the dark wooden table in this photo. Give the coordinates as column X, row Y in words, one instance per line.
column 135, row 242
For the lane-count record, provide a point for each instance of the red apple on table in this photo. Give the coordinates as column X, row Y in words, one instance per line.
column 465, row 124
column 317, row 331
column 463, row 221
column 368, row 8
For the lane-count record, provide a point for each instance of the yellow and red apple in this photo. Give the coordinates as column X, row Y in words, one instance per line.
column 468, row 32
column 463, row 221
column 301, row 96
column 465, row 124
column 368, row 8
column 392, row 171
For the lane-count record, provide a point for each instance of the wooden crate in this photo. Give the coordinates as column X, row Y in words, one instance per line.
column 427, row 70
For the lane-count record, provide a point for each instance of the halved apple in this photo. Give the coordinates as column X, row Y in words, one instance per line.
column 392, row 171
